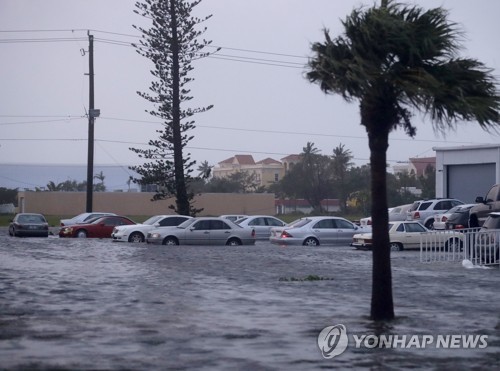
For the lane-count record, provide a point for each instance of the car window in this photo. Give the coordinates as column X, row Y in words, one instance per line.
column 273, row 222
column 325, row 224
column 344, row 224
column 400, row 228
column 173, row 221
column 257, row 221
column 415, row 206
column 218, row 224
column 414, row 227
column 201, row 225
column 425, row 205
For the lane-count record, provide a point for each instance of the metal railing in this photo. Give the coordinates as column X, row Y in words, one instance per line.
column 479, row 247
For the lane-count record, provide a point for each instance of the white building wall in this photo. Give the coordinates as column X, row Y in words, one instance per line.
column 464, row 155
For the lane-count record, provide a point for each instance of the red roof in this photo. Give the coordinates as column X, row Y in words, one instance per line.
column 239, row 159
column 268, row 161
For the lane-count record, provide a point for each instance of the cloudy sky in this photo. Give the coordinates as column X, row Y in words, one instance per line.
column 263, row 105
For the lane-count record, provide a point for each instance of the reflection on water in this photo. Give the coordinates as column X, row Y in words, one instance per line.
column 87, row 304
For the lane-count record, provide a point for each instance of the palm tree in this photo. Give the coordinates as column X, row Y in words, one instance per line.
column 204, row 170
column 392, row 59
column 341, row 161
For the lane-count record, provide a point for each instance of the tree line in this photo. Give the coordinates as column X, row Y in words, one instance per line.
column 317, row 177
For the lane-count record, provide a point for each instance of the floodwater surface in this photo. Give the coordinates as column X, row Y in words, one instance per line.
column 82, row 304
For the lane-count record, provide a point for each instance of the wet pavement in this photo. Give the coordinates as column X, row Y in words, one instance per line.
column 82, row 304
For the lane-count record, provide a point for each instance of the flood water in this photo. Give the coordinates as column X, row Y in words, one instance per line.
column 82, row 304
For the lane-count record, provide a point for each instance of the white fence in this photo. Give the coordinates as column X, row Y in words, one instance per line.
column 479, row 247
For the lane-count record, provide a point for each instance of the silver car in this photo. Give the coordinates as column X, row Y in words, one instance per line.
column 317, row 230
column 262, row 224
column 203, row 231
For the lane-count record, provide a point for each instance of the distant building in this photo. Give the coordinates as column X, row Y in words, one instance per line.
column 267, row 171
column 416, row 166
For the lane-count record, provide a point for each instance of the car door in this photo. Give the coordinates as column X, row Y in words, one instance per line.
column 105, row 227
column 345, row 231
column 325, row 230
column 197, row 234
column 262, row 230
column 413, row 232
column 219, row 232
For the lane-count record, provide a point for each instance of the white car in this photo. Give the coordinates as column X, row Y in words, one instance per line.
column 440, row 219
column 82, row 218
column 138, row 232
column 262, row 225
column 406, row 235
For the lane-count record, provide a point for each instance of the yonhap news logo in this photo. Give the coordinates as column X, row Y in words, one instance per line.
column 334, row 340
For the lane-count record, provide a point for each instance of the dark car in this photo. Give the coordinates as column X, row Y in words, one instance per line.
column 29, row 225
column 486, row 249
column 459, row 219
column 98, row 228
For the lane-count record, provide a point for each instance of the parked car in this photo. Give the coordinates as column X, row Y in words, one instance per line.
column 262, row 225
column 82, row 218
column 405, row 235
column 316, row 230
column 458, row 220
column 423, row 211
column 203, row 231
column 233, row 217
column 138, row 232
column 441, row 219
column 486, row 248
column 96, row 228
column 395, row 213
column 481, row 211
column 29, row 225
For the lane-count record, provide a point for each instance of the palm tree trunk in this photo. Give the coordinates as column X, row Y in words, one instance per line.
column 382, row 306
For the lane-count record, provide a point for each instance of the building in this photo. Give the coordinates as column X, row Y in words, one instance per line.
column 267, row 171
column 465, row 172
column 416, row 165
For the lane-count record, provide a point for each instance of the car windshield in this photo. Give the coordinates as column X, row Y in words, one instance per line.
column 152, row 220
column 187, row 223
column 31, row 219
column 239, row 221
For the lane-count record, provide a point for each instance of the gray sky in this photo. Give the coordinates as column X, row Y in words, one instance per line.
column 262, row 103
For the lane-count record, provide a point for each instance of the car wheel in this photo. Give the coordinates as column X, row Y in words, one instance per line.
column 429, row 224
column 453, row 244
column 396, row 246
column 311, row 241
column 170, row 241
column 136, row 237
column 233, row 242
column 82, row 233
column 11, row 233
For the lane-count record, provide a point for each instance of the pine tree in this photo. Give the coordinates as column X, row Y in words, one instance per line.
column 171, row 44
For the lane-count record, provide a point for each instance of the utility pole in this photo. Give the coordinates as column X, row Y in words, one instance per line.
column 93, row 113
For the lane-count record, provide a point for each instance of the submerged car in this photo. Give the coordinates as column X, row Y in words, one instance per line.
column 138, row 232
column 486, row 248
column 405, row 235
column 97, row 228
column 262, row 224
column 29, row 225
column 82, row 218
column 203, row 231
column 440, row 220
column 316, row 230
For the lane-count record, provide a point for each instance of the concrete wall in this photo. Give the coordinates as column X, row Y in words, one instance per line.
column 139, row 203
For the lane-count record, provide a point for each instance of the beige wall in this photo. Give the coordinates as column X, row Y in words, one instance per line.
column 139, row 203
